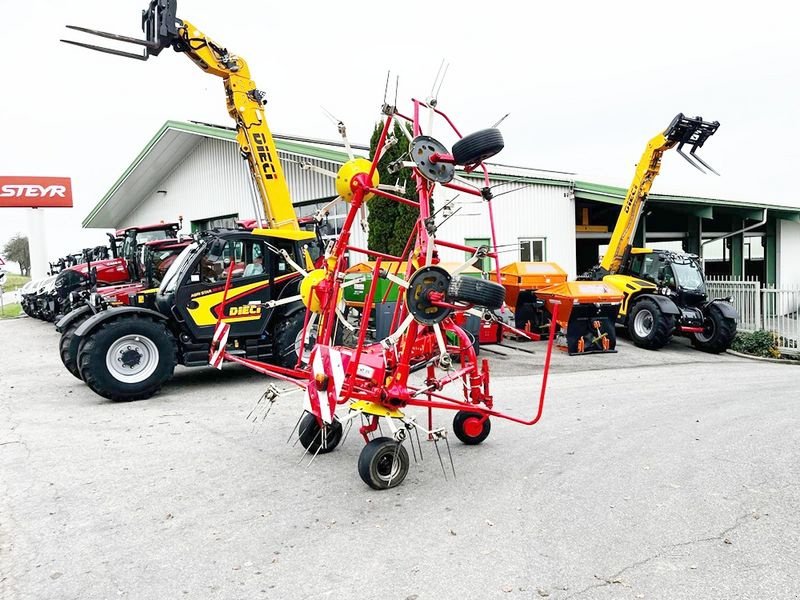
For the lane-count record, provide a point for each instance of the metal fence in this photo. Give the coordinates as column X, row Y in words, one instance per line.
column 763, row 307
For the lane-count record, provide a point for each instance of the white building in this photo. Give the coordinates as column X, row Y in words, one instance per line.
column 195, row 171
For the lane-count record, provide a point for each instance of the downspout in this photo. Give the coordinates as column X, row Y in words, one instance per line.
column 727, row 235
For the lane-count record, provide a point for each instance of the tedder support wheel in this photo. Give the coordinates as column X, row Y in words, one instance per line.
column 129, row 358
column 312, row 439
column 478, row 146
column 288, row 340
column 470, row 427
column 476, row 291
column 718, row 332
column 383, row 463
column 70, row 362
column 648, row 326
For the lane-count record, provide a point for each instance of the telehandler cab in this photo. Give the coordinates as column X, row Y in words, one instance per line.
column 127, row 353
column 664, row 292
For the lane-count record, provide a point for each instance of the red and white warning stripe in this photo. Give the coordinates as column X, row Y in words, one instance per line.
column 326, row 366
column 218, row 343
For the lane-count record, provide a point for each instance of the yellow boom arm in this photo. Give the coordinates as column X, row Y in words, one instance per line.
column 682, row 130
column 245, row 102
column 246, row 107
column 646, row 171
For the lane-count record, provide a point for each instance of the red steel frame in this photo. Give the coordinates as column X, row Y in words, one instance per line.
column 417, row 344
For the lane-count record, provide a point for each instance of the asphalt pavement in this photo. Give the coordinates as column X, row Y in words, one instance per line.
column 670, row 474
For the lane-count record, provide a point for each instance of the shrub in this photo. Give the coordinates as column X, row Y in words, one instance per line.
column 757, row 343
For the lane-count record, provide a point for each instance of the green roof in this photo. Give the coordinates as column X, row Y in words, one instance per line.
column 585, row 190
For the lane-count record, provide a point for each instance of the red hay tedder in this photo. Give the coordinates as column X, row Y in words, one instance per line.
column 371, row 381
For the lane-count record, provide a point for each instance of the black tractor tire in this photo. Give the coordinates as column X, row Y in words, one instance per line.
column 311, row 438
column 108, row 340
column 69, row 361
column 478, row 146
column 479, row 292
column 286, row 339
column 465, row 426
column 383, row 463
column 648, row 326
column 719, row 332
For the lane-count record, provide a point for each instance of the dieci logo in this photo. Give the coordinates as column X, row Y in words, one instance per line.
column 36, row 192
column 245, row 311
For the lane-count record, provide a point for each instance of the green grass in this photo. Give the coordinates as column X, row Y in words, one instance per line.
column 14, row 282
column 10, row 310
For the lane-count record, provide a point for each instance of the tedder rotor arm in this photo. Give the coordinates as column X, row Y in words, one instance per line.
column 683, row 130
column 245, row 102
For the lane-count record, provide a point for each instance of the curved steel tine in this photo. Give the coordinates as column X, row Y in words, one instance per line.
column 112, row 36
column 108, row 50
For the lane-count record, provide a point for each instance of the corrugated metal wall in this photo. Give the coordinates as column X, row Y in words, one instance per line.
column 532, row 211
column 214, row 180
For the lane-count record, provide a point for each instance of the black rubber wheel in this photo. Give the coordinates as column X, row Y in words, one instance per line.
column 718, row 333
column 383, row 463
column 648, row 326
column 287, row 340
column 141, row 351
column 479, row 292
column 468, row 427
column 26, row 309
column 311, row 439
column 69, row 361
column 478, row 146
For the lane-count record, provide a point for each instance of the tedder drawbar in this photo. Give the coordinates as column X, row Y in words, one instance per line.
column 371, row 382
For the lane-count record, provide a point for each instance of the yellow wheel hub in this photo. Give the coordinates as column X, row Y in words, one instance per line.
column 348, row 171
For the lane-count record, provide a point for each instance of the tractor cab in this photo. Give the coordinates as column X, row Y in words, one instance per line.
column 675, row 273
column 263, row 267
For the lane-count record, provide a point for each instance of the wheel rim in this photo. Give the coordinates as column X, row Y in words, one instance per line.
column 643, row 323
column 709, row 330
column 387, row 467
column 473, row 427
column 132, row 358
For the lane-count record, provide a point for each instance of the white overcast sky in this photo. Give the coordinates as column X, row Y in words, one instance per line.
column 586, row 83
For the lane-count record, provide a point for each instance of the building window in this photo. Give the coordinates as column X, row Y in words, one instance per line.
column 222, row 222
column 532, row 250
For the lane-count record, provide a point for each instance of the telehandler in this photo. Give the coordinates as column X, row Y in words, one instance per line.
column 127, row 353
column 664, row 292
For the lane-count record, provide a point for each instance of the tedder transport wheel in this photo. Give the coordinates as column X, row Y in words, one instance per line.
column 71, row 362
column 476, row 291
column 468, row 427
column 718, row 332
column 311, row 436
column 648, row 326
column 383, row 463
column 127, row 359
column 288, row 342
column 477, row 146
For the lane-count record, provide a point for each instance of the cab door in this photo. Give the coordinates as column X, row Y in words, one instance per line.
column 199, row 299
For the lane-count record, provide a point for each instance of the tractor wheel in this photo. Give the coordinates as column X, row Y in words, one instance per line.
column 718, row 332
column 383, row 463
column 648, row 326
column 477, row 147
column 288, row 340
column 468, row 427
column 476, row 291
column 311, row 438
column 70, row 362
column 127, row 359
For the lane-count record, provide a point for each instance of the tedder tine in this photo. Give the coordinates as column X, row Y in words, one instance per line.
column 701, row 161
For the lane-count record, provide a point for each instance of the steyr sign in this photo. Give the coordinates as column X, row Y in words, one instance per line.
column 35, row 192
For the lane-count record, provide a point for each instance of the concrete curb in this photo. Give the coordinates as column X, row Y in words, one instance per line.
column 780, row 361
